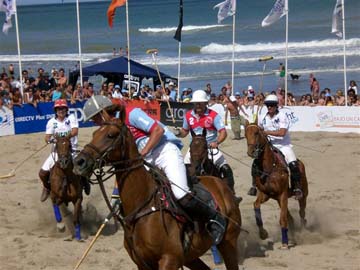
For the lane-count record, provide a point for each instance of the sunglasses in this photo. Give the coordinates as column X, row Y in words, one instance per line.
column 270, row 105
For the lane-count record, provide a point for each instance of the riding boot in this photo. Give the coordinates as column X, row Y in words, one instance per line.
column 295, row 180
column 45, row 179
column 201, row 207
column 254, row 172
column 86, row 185
column 227, row 173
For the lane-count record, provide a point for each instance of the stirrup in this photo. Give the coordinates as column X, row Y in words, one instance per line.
column 298, row 194
column 252, row 191
column 216, row 231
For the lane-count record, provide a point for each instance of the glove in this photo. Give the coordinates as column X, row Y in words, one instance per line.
column 176, row 131
column 52, row 140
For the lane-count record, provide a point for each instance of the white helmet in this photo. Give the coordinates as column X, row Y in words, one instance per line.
column 271, row 99
column 199, row 96
column 94, row 105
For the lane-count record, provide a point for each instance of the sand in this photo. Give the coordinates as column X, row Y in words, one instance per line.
column 29, row 239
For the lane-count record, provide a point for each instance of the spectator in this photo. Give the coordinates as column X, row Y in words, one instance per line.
column 117, row 93
column 315, row 87
column 339, row 98
column 353, row 85
column 61, row 79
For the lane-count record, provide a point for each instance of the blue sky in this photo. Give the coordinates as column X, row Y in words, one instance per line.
column 32, row 2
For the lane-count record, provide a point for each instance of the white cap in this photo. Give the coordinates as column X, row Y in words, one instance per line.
column 271, row 99
column 171, row 84
column 232, row 98
column 250, row 87
column 199, row 96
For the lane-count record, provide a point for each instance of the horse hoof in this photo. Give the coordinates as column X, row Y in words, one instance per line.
column 284, row 247
column 263, row 234
column 60, row 226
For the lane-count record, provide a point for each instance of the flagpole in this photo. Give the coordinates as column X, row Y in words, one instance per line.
column 344, row 48
column 286, row 49
column 79, row 42
column 19, row 52
column 179, row 64
column 128, row 46
column 233, row 55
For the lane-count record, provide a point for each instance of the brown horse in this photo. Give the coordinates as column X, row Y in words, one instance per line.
column 65, row 185
column 200, row 162
column 153, row 237
column 272, row 180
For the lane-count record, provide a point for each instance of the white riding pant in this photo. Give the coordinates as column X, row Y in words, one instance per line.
column 214, row 154
column 50, row 161
column 169, row 158
column 287, row 152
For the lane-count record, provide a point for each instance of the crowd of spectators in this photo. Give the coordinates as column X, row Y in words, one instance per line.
column 44, row 87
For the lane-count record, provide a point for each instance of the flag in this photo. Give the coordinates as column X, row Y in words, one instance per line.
column 226, row 9
column 275, row 13
column 337, row 17
column 111, row 10
column 8, row 6
column 178, row 30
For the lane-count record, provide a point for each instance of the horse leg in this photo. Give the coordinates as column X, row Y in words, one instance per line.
column 169, row 262
column 283, row 202
column 77, row 213
column 261, row 198
column 291, row 224
column 197, row 264
column 302, row 201
column 59, row 224
column 228, row 250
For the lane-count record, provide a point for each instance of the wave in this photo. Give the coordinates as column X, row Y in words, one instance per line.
column 215, row 48
column 184, row 29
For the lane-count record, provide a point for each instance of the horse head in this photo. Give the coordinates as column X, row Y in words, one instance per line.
column 256, row 140
column 63, row 150
column 110, row 143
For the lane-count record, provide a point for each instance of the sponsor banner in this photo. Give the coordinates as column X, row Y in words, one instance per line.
column 152, row 108
column 178, row 111
column 319, row 118
column 30, row 119
column 6, row 121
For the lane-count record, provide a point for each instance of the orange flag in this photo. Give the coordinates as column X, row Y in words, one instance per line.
column 111, row 10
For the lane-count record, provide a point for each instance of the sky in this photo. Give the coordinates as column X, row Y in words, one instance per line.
column 36, row 2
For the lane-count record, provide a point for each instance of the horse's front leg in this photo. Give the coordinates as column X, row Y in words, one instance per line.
column 77, row 213
column 283, row 202
column 60, row 226
column 261, row 198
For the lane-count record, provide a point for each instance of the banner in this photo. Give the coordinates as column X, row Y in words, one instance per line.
column 337, row 18
column 178, row 110
column 30, row 119
column 6, row 121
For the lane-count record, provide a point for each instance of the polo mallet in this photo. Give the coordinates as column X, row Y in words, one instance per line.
column 264, row 59
column 12, row 172
column 106, row 221
column 154, row 52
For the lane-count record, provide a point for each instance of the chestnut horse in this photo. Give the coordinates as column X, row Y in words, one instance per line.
column 65, row 185
column 153, row 237
column 272, row 180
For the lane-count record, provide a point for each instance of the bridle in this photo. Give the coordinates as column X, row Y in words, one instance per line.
column 100, row 160
column 200, row 166
column 63, row 160
column 259, row 148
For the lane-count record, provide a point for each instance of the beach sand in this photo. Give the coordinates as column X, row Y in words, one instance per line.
column 29, row 239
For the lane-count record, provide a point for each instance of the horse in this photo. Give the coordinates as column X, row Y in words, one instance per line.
column 65, row 185
column 200, row 162
column 153, row 237
column 272, row 180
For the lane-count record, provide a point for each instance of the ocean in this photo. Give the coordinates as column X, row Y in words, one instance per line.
column 48, row 39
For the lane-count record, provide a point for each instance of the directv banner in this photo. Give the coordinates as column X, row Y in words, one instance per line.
column 29, row 119
column 178, row 110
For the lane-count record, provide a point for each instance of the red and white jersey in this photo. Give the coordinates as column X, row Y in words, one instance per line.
column 210, row 120
column 63, row 128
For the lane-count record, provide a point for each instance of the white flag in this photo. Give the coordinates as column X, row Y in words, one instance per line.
column 8, row 6
column 336, row 20
column 275, row 13
column 226, row 9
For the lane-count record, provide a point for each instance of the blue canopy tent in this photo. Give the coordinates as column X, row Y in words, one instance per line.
column 115, row 70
